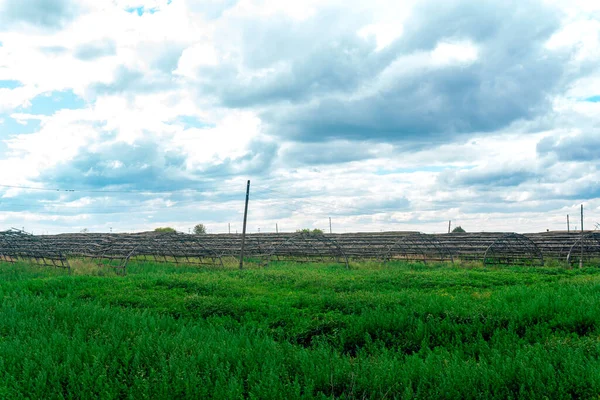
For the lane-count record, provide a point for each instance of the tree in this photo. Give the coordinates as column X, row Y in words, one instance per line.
column 458, row 229
column 313, row 232
column 165, row 230
column 199, row 229
column 84, row 230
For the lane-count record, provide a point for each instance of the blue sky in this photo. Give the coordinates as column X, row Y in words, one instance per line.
column 384, row 115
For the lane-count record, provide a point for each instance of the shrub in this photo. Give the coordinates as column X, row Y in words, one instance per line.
column 313, row 232
column 165, row 230
column 199, row 229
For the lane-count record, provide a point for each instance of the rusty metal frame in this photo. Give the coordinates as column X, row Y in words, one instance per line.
column 172, row 248
column 17, row 245
column 585, row 249
column 489, row 247
column 418, row 247
column 513, row 249
column 305, row 247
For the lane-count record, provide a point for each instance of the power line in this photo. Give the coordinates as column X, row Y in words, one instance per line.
column 290, row 205
column 67, row 204
column 100, row 191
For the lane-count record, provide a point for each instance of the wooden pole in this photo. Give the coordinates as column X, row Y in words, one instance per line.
column 330, row 231
column 568, row 225
column 244, row 227
column 229, row 227
column 276, row 228
column 581, row 240
column 449, row 225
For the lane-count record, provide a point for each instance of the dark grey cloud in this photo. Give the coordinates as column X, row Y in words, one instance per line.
column 492, row 178
column 321, row 70
column 322, row 55
column 582, row 147
column 511, row 80
column 96, row 49
column 144, row 165
column 496, row 189
column 256, row 162
column 45, row 14
column 329, row 68
column 126, row 180
column 299, row 153
column 568, row 191
column 141, row 165
column 589, row 191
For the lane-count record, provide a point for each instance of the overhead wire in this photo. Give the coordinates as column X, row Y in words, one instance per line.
column 138, row 191
column 292, row 205
column 47, row 207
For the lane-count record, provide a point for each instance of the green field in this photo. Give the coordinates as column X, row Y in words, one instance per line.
column 300, row 331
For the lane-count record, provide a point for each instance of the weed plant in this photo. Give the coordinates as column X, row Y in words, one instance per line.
column 300, row 331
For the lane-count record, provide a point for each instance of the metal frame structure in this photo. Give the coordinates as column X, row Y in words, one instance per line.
column 16, row 245
column 174, row 248
column 555, row 245
column 304, row 247
column 585, row 249
column 367, row 246
column 117, row 249
column 513, row 249
column 418, row 247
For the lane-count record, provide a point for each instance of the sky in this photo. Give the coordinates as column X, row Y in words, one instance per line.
column 128, row 115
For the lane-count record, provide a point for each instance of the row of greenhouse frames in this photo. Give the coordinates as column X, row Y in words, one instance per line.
column 117, row 250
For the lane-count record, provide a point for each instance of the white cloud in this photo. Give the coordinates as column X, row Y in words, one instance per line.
column 384, row 33
column 454, row 52
column 199, row 54
column 164, row 57
column 10, row 99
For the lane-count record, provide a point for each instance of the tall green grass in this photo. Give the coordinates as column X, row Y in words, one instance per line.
column 300, row 331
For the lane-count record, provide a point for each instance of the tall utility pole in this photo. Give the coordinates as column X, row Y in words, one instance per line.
column 244, row 227
column 581, row 240
column 229, row 227
column 568, row 225
column 449, row 225
column 276, row 227
column 330, row 231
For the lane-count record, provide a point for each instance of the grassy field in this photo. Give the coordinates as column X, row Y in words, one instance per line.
column 300, row 331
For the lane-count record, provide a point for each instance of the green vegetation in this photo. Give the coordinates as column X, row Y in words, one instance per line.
column 199, row 229
column 300, row 331
column 165, row 230
column 458, row 229
column 315, row 231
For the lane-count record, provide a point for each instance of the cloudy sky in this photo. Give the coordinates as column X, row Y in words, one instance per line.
column 383, row 115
